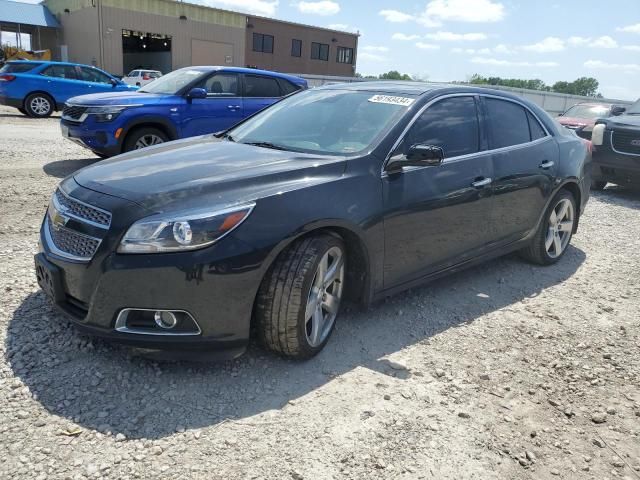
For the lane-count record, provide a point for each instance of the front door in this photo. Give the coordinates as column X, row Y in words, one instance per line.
column 525, row 162
column 221, row 109
column 439, row 216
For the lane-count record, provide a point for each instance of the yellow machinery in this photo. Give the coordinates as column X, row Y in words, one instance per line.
column 8, row 52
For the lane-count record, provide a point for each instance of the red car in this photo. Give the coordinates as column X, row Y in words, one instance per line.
column 582, row 116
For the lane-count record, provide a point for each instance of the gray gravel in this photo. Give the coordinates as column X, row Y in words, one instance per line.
column 503, row 371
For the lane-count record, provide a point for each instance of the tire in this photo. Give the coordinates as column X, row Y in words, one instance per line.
column 598, row 185
column 101, row 155
column 132, row 142
column 295, row 314
column 23, row 111
column 542, row 252
column 39, row 105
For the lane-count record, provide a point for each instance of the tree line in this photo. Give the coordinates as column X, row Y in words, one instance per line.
column 584, row 86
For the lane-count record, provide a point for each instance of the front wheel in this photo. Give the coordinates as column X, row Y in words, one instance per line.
column 144, row 137
column 39, row 105
column 300, row 296
column 554, row 234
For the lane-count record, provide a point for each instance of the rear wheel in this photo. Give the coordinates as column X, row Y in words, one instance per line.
column 299, row 299
column 39, row 105
column 554, row 234
column 598, row 184
column 144, row 137
column 23, row 111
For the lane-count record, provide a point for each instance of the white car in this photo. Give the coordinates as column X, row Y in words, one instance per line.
column 141, row 77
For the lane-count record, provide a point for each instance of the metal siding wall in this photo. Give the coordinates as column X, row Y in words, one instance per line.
column 181, row 31
column 80, row 34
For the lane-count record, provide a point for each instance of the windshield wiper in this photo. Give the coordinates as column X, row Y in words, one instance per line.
column 265, row 145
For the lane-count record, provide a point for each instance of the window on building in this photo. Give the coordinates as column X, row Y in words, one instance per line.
column 258, row 86
column 296, row 48
column 262, row 43
column 15, row 39
column 451, row 124
column 508, row 123
column 319, row 51
column 345, row 55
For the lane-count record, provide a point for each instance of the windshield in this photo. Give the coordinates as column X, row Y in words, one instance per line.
column 172, row 82
column 634, row 109
column 587, row 111
column 329, row 122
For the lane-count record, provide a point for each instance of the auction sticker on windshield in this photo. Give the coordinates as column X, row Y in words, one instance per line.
column 391, row 100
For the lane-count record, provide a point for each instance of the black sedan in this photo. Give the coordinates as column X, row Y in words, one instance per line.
column 346, row 192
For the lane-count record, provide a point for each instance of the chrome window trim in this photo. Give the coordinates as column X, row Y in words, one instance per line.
column 64, row 210
column 121, row 323
column 60, row 253
column 618, row 151
column 469, row 155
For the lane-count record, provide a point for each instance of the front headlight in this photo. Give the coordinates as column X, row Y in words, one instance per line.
column 185, row 231
column 106, row 113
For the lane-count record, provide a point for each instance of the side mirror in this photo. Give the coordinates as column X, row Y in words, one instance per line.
column 196, row 93
column 560, row 114
column 113, row 82
column 617, row 110
column 418, row 156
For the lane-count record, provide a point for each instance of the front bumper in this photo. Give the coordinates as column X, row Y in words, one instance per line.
column 614, row 166
column 216, row 286
column 97, row 137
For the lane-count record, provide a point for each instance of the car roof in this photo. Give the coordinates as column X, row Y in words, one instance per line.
column 211, row 68
column 50, row 62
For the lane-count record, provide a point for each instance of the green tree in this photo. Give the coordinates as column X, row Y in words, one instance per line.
column 585, row 86
column 394, row 75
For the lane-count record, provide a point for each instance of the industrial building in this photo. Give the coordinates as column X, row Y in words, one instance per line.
column 122, row 35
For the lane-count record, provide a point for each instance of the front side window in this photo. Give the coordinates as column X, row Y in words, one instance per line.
column 345, row 55
column 61, row 71
column 221, row 85
column 287, row 87
column 92, row 75
column 331, row 122
column 508, row 123
column 451, row 124
column 262, row 43
column 319, row 51
column 296, row 48
column 134, row 73
column 257, row 86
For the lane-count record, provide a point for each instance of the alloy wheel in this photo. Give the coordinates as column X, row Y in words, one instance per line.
column 560, row 228
column 40, row 105
column 324, row 297
column 148, row 140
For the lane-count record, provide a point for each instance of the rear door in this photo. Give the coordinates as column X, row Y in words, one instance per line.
column 260, row 91
column 525, row 162
column 439, row 216
column 222, row 108
column 62, row 82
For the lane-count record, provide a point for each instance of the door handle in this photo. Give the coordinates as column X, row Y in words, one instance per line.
column 233, row 107
column 546, row 164
column 482, row 182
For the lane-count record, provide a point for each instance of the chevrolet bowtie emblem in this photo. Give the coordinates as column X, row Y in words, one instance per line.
column 58, row 219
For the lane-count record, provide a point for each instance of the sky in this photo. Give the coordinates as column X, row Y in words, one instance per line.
column 447, row 40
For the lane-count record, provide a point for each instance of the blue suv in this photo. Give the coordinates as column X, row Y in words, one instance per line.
column 184, row 103
column 38, row 88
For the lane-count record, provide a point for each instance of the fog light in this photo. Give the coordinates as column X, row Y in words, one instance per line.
column 165, row 319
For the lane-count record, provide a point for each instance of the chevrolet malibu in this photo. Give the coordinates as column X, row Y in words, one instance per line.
column 344, row 192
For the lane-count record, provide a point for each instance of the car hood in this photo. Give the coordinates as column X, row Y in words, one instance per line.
column 205, row 170
column 624, row 121
column 583, row 122
column 121, row 98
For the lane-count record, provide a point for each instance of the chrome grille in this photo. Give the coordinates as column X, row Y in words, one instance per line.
column 73, row 112
column 82, row 211
column 71, row 243
column 626, row 142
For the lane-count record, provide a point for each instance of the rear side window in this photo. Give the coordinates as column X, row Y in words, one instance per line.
column 287, row 87
column 256, row 86
column 61, row 71
column 18, row 67
column 537, row 132
column 509, row 124
column 451, row 124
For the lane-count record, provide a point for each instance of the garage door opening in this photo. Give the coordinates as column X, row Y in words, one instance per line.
column 144, row 50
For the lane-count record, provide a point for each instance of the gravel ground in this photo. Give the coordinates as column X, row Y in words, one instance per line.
column 503, row 371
